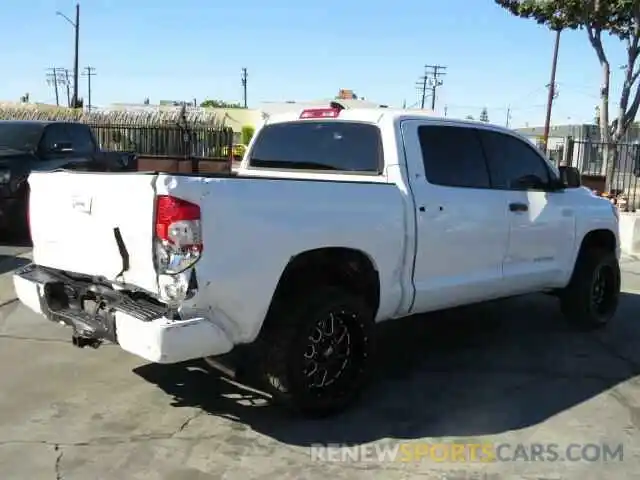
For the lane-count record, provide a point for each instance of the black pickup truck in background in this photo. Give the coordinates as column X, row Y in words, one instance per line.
column 30, row 145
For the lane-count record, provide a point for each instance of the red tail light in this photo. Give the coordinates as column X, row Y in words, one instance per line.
column 178, row 234
column 320, row 113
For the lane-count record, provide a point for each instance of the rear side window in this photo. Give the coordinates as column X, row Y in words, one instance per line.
column 453, row 157
column 317, row 145
column 81, row 138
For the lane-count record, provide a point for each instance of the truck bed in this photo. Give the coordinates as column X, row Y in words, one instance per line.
column 102, row 225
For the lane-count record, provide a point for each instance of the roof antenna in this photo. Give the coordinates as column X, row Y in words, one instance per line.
column 337, row 106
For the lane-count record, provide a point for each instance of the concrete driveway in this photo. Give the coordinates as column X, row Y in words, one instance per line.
column 508, row 372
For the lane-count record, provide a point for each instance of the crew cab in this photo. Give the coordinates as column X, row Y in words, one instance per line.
column 30, row 145
column 336, row 220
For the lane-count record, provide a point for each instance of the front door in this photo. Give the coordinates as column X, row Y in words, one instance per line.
column 461, row 223
column 541, row 221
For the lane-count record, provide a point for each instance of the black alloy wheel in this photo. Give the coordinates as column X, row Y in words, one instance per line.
column 318, row 357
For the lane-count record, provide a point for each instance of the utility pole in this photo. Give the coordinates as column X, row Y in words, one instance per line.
column 552, row 92
column 432, row 78
column 66, row 82
column 89, row 72
column 76, row 28
column 243, row 80
column 446, row 109
column 59, row 77
column 438, row 71
column 423, row 89
column 75, row 57
column 52, row 79
column 508, row 116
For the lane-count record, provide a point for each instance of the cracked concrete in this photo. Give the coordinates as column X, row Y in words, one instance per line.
column 506, row 372
column 58, row 448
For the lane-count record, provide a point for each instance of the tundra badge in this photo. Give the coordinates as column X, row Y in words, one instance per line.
column 81, row 204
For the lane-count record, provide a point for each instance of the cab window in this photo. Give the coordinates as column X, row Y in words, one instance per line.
column 513, row 163
column 319, row 145
column 453, row 156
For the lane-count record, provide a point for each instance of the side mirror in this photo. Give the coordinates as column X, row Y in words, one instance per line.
column 529, row 182
column 570, row 176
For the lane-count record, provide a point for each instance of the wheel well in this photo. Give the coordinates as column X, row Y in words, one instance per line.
column 348, row 268
column 602, row 238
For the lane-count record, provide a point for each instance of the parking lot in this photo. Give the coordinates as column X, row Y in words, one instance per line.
column 506, row 372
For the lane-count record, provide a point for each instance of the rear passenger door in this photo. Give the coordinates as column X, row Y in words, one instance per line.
column 462, row 224
column 541, row 218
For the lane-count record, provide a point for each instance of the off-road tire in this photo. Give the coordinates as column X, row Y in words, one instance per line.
column 287, row 338
column 577, row 299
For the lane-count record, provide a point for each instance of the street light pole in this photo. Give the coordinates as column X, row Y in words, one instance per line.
column 75, row 58
column 552, row 92
column 76, row 28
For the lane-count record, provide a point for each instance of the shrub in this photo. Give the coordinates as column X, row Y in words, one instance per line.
column 247, row 134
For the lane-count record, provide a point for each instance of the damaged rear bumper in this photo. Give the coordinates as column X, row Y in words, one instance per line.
column 137, row 325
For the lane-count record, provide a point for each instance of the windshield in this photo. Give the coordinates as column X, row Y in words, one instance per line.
column 319, row 145
column 19, row 136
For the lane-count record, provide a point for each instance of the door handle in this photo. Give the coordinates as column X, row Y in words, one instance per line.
column 518, row 207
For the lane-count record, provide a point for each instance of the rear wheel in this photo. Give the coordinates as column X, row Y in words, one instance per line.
column 591, row 298
column 318, row 355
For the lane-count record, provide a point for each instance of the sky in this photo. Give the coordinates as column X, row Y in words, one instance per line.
column 305, row 50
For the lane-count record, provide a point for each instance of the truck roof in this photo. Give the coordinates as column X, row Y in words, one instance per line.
column 377, row 115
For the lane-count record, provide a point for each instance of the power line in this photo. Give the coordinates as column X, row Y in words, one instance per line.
column 430, row 81
column 498, row 108
column 89, row 72
column 243, row 80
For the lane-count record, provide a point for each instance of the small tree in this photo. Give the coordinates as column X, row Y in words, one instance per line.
column 247, row 134
column 484, row 115
column 620, row 18
column 469, row 117
column 219, row 104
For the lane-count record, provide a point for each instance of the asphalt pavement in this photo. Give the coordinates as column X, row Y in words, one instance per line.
column 507, row 373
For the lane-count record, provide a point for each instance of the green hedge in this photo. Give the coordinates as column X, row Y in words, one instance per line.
column 247, row 134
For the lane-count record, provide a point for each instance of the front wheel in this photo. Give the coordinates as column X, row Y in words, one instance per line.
column 591, row 298
column 318, row 354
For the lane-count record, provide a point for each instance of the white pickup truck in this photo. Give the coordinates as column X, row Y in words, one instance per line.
column 337, row 219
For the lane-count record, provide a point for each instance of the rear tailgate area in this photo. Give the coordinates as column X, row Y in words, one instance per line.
column 98, row 224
